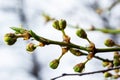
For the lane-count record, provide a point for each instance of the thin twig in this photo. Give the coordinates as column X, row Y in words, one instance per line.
column 87, row 73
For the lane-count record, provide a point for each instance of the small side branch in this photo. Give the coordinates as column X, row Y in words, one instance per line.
column 87, row 73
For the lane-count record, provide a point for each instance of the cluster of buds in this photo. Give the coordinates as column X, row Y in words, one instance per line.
column 110, row 75
column 116, row 59
column 111, row 64
column 11, row 38
column 59, row 24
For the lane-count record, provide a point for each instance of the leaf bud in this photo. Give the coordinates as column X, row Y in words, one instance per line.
column 107, row 74
column 54, row 64
column 109, row 43
column 79, row 67
column 30, row 47
column 26, row 35
column 10, row 38
column 81, row 33
column 62, row 24
column 90, row 55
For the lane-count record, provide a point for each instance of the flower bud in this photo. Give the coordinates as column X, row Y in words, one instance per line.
column 116, row 62
column 81, row 33
column 79, row 67
column 107, row 74
column 30, row 47
column 116, row 55
column 56, row 25
column 62, row 24
column 105, row 63
column 109, row 43
column 75, row 52
column 54, row 64
column 10, row 38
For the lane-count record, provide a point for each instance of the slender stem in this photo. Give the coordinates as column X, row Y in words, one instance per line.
column 114, row 4
column 87, row 73
column 88, row 40
column 111, row 31
column 97, row 57
column 63, row 32
column 98, row 50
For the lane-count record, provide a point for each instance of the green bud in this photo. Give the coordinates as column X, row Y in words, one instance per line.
column 54, row 64
column 75, row 52
column 107, row 74
column 10, row 38
column 109, row 43
column 105, row 63
column 56, row 25
column 79, row 67
column 62, row 24
column 30, row 47
column 116, row 62
column 116, row 55
column 81, row 33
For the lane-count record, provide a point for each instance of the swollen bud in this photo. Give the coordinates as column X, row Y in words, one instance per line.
column 10, row 38
column 109, row 43
column 81, row 33
column 116, row 62
column 56, row 25
column 30, row 47
column 79, row 67
column 116, row 55
column 75, row 52
column 107, row 74
column 62, row 24
column 105, row 63
column 59, row 25
column 54, row 64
